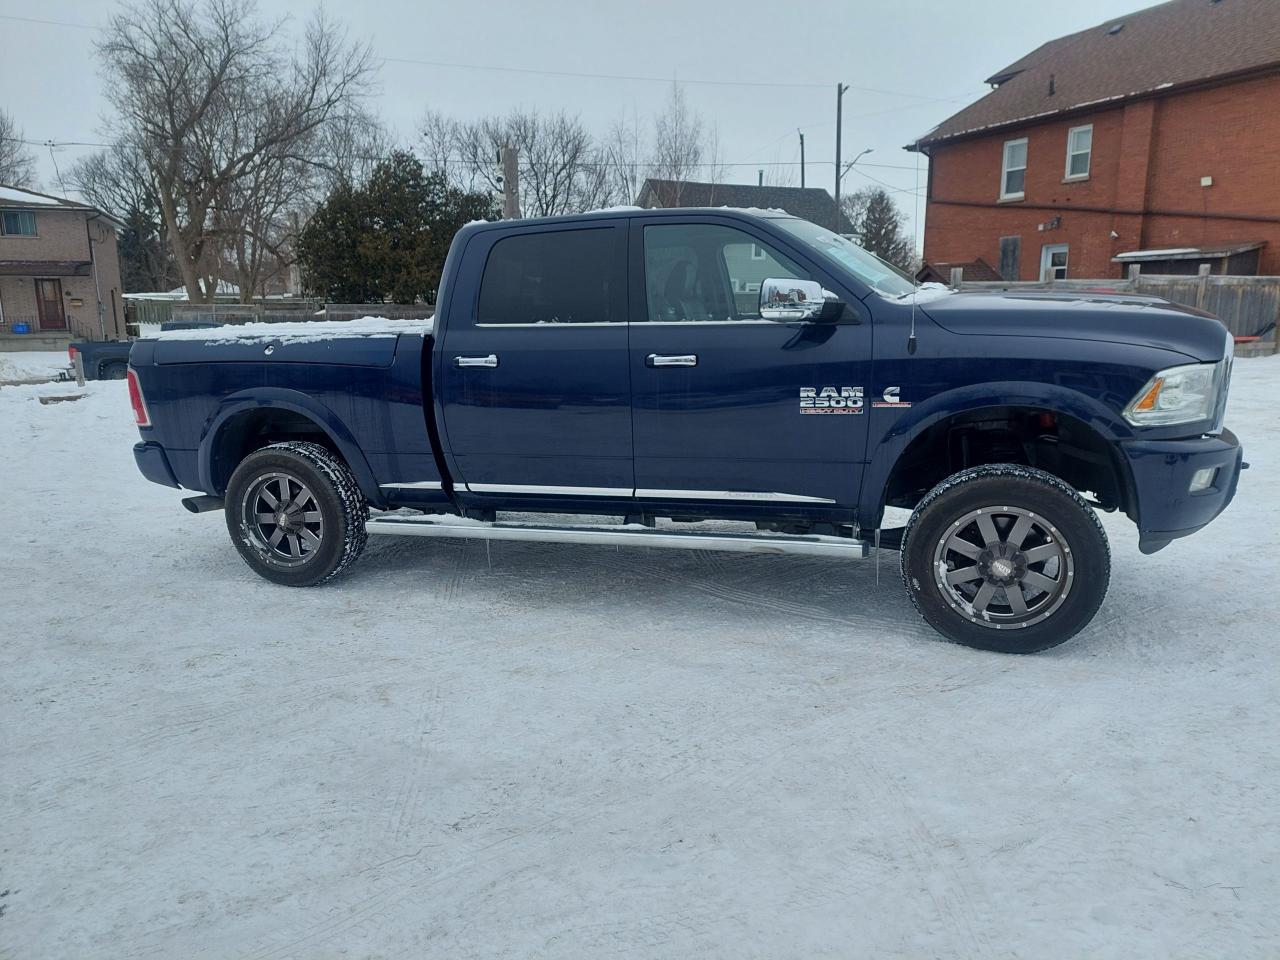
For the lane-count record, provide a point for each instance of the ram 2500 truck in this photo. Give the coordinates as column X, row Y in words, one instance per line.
column 688, row 365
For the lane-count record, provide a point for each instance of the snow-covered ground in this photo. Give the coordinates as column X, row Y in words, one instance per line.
column 32, row 365
column 580, row 752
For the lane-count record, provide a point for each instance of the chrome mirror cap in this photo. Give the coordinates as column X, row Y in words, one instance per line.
column 787, row 299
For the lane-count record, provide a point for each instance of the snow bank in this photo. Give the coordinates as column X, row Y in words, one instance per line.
column 32, row 365
column 305, row 331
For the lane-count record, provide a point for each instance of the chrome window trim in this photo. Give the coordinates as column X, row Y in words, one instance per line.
column 704, row 323
column 414, row 485
column 729, row 495
column 549, row 490
column 554, row 326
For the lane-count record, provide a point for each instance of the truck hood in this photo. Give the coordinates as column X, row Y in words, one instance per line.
column 1148, row 321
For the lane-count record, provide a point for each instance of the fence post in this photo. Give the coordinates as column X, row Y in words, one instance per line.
column 957, row 277
column 1202, row 286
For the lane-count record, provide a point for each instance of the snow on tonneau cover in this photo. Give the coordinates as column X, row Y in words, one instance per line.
column 365, row 342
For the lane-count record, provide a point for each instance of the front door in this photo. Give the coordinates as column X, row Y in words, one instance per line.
column 49, row 303
column 534, row 386
column 731, row 408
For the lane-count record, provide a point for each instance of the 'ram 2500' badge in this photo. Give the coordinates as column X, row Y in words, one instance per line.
column 831, row 400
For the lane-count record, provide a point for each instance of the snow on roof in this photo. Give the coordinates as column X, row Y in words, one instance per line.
column 304, row 331
column 15, row 195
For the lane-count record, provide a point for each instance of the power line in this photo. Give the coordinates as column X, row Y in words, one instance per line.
column 639, row 78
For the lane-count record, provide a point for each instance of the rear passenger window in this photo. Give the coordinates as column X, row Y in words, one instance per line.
column 565, row 276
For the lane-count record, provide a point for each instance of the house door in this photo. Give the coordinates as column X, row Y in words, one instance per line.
column 49, row 302
column 1053, row 261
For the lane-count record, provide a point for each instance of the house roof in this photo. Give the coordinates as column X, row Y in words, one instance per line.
column 808, row 203
column 1177, row 44
column 45, row 268
column 1188, row 253
column 19, row 198
column 974, row 270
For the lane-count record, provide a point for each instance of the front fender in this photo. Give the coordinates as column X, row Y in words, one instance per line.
column 260, row 398
column 883, row 455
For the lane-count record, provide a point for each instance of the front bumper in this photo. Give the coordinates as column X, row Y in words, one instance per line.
column 154, row 464
column 1166, row 509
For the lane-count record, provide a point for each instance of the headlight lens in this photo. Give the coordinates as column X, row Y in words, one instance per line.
column 1177, row 395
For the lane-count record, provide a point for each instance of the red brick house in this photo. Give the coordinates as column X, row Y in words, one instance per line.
column 1153, row 139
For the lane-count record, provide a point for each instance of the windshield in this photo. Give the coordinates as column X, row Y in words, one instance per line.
column 867, row 267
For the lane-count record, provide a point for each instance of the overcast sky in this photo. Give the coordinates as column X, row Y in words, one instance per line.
column 911, row 63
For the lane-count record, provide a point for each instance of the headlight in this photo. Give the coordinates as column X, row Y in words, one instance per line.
column 1178, row 395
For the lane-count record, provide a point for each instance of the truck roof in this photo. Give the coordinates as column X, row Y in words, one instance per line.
column 613, row 213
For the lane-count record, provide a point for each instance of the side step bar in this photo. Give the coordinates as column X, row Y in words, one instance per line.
column 459, row 528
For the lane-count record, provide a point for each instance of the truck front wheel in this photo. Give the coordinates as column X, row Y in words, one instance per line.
column 296, row 513
column 1007, row 558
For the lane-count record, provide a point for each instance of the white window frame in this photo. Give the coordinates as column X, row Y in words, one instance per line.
column 1005, row 169
column 757, row 252
column 1046, row 260
column 1067, row 175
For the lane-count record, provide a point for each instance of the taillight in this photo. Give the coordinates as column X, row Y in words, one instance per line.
column 71, row 354
column 140, row 413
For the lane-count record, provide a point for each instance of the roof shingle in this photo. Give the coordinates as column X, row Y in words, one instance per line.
column 1175, row 44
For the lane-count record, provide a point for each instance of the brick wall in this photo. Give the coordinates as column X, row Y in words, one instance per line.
column 62, row 235
column 1144, row 183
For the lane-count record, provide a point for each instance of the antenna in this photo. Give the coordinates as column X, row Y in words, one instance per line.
column 911, row 340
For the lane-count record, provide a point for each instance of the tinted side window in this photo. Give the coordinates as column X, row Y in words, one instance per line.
column 700, row 271
column 558, row 277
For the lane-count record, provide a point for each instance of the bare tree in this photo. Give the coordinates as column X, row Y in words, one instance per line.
column 118, row 181
column 562, row 169
column 624, row 153
column 17, row 161
column 679, row 144
column 223, row 114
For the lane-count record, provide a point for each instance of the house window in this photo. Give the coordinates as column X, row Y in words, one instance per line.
column 18, row 223
column 1079, row 151
column 1053, row 261
column 1013, row 172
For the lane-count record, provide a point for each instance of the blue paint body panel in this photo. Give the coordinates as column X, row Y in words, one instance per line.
column 573, row 417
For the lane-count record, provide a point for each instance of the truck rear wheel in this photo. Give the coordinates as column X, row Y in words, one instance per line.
column 1007, row 558
column 296, row 513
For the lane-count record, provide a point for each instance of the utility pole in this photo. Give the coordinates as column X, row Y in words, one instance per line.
column 840, row 91
column 801, row 132
column 760, row 177
column 510, row 182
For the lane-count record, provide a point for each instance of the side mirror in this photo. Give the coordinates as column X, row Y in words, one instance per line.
column 791, row 300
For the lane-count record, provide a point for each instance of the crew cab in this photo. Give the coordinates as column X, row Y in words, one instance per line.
column 666, row 368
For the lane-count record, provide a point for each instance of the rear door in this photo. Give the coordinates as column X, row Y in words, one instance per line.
column 729, row 407
column 533, row 374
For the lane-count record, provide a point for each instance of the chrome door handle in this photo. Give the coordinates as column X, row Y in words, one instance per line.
column 490, row 361
column 672, row 360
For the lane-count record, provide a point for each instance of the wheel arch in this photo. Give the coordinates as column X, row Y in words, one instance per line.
column 1094, row 427
column 247, row 421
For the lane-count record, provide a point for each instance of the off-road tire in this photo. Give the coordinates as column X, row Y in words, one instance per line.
column 1082, row 568
column 113, row 369
column 340, row 512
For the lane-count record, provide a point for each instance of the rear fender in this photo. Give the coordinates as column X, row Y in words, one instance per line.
column 294, row 401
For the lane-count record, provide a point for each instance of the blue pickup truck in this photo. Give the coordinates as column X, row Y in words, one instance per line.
column 663, row 368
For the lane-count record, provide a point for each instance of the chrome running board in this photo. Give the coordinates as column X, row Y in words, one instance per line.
column 634, row 536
